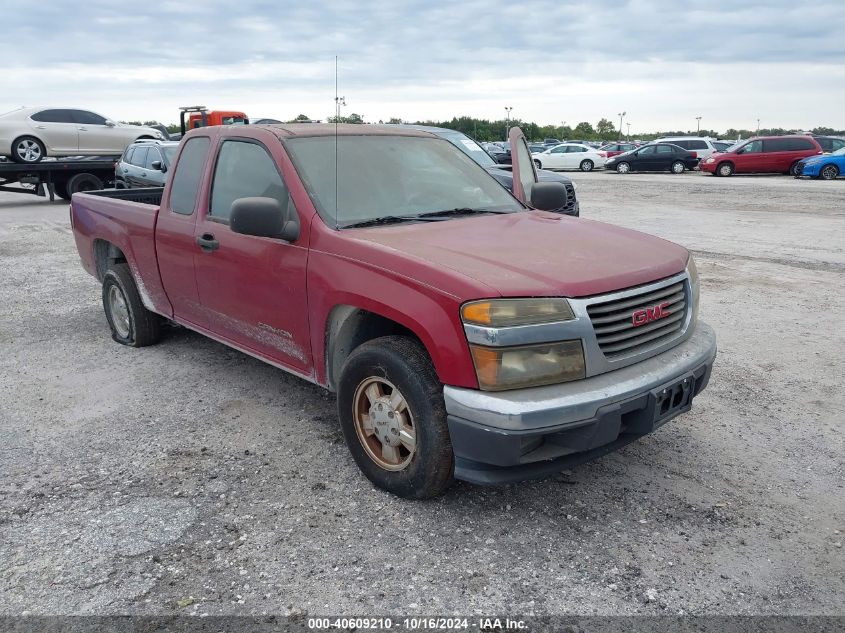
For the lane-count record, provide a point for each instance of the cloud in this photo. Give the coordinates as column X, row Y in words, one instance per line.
column 551, row 60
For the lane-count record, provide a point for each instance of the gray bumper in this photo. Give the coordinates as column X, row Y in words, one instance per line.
column 525, row 433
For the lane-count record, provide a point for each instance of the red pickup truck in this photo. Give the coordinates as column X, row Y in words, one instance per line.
column 467, row 332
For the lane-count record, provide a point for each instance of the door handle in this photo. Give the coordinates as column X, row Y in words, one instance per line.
column 83, row 129
column 207, row 242
column 40, row 127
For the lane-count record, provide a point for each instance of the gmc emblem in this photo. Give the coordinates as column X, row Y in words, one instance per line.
column 647, row 315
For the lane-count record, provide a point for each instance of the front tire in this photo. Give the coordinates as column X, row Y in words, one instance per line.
column 677, row 167
column 829, row 172
column 725, row 170
column 391, row 410
column 130, row 322
column 623, row 168
column 586, row 165
column 28, row 150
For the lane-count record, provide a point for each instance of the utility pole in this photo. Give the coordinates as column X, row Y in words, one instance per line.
column 698, row 126
column 629, row 131
column 620, row 115
column 758, row 127
column 507, row 120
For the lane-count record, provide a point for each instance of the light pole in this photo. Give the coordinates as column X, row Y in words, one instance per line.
column 629, row 131
column 698, row 124
column 620, row 115
column 758, row 127
column 507, row 120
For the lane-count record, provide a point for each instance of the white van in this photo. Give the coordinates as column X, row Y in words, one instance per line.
column 701, row 145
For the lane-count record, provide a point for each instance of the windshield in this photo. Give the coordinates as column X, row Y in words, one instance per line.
column 170, row 152
column 381, row 176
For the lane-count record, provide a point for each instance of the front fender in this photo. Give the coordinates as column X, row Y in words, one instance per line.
column 432, row 315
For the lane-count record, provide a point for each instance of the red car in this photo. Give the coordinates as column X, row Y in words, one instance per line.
column 467, row 333
column 614, row 149
column 763, row 155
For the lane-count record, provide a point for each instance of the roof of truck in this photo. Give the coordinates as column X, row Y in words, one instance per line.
column 342, row 129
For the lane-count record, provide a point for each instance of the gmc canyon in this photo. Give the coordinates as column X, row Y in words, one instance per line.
column 467, row 331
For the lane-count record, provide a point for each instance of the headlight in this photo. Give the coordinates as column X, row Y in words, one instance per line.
column 500, row 368
column 694, row 285
column 711, row 160
column 510, row 312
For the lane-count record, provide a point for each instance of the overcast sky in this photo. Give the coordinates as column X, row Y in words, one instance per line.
column 730, row 62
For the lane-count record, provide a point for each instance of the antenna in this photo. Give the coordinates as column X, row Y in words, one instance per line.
column 338, row 101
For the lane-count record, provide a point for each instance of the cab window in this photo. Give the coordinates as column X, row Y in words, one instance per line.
column 186, row 181
column 244, row 170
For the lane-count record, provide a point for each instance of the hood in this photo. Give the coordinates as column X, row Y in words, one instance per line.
column 531, row 253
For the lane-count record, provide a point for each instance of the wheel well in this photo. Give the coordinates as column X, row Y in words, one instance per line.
column 347, row 328
column 106, row 254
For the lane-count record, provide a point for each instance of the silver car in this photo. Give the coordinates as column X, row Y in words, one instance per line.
column 27, row 135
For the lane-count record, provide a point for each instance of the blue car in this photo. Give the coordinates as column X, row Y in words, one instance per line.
column 824, row 166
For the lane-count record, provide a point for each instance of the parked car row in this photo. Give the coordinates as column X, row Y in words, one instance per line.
column 766, row 154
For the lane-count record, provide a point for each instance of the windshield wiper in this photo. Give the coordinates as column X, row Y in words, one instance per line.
column 429, row 216
column 457, row 211
column 386, row 219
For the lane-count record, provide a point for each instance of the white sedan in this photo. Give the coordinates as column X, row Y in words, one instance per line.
column 29, row 134
column 570, row 156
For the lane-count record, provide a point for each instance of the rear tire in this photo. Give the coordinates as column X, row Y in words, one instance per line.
column 793, row 169
column 130, row 322
column 83, row 182
column 724, row 169
column 586, row 165
column 538, row 164
column 390, row 382
column 677, row 167
column 28, row 150
column 829, row 172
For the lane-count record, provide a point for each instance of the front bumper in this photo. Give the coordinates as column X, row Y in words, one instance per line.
column 500, row 437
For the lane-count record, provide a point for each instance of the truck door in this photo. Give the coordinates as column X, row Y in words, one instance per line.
column 175, row 228
column 252, row 289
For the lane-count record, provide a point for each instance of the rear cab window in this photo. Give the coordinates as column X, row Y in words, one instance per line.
column 186, row 180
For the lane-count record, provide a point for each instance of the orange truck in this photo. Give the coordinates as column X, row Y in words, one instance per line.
column 191, row 117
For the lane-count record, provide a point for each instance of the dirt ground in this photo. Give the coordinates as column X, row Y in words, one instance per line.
column 190, row 478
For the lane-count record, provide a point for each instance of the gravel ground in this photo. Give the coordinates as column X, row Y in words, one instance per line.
column 190, row 478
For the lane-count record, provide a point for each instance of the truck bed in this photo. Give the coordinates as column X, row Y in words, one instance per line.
column 120, row 223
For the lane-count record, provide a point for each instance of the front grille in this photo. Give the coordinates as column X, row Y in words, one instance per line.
column 570, row 198
column 613, row 321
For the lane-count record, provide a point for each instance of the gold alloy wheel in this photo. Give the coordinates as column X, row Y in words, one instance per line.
column 384, row 424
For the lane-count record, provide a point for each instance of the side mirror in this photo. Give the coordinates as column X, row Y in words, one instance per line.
column 157, row 166
column 264, row 217
column 110, row 123
column 549, row 196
